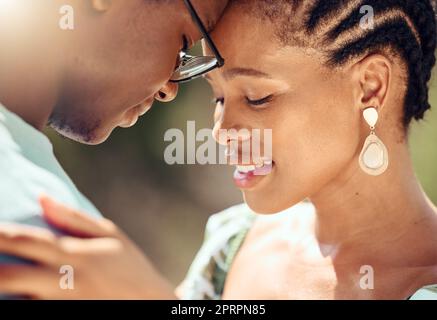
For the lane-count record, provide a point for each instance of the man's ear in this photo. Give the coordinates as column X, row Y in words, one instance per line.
column 101, row 5
column 373, row 76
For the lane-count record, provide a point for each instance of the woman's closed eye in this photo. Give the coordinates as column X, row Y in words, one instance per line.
column 257, row 102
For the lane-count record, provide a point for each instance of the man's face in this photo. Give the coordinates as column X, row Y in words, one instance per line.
column 119, row 60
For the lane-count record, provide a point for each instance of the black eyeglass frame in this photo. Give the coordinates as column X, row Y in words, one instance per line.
column 219, row 59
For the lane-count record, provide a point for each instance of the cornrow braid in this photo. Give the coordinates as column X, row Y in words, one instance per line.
column 321, row 10
column 407, row 28
column 420, row 57
column 397, row 34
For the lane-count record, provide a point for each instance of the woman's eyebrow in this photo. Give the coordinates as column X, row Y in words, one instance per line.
column 246, row 72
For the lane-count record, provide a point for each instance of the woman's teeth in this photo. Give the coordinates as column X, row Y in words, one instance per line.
column 245, row 169
column 261, row 168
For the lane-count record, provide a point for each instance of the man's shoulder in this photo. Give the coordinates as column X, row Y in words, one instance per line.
column 28, row 169
column 21, row 184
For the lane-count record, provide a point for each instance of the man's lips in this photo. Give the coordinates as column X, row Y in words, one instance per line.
column 143, row 108
column 135, row 113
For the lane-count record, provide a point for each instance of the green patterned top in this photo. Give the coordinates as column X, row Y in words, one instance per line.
column 224, row 235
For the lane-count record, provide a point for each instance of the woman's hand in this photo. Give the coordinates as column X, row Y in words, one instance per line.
column 105, row 263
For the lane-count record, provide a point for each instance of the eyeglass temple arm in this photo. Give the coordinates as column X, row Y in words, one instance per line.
column 206, row 37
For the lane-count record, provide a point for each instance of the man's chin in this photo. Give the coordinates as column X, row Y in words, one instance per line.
column 90, row 138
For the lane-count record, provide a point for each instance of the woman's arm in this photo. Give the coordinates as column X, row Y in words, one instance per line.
column 106, row 264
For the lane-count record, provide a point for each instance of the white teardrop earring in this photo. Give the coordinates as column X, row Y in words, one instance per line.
column 374, row 156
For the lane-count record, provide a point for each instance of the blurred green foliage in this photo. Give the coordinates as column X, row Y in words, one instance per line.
column 423, row 146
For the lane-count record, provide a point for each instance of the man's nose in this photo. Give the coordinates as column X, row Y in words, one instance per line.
column 168, row 92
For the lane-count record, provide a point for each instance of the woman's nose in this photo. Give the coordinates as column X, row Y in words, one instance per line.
column 216, row 133
column 227, row 129
column 168, row 92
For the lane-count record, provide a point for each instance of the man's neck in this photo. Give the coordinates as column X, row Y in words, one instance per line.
column 28, row 90
column 30, row 61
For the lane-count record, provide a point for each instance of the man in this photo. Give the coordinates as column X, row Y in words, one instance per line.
column 101, row 72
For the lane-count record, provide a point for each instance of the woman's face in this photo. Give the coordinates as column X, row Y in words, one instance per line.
column 309, row 107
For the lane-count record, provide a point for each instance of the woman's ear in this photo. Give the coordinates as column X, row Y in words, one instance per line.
column 101, row 5
column 373, row 75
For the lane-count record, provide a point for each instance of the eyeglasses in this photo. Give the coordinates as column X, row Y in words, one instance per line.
column 191, row 67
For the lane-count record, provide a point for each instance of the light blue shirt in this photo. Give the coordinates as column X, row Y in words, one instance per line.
column 29, row 168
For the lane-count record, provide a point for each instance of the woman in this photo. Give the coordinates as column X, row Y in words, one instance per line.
column 339, row 95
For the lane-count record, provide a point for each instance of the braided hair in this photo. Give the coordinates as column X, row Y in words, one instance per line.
column 407, row 28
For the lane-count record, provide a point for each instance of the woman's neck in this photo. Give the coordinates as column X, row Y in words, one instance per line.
column 358, row 208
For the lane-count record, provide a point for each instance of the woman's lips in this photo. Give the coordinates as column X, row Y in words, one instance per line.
column 263, row 170
column 244, row 179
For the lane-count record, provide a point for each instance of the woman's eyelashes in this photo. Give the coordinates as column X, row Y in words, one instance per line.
column 258, row 102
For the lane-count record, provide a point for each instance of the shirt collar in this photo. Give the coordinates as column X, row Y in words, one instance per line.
column 31, row 142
